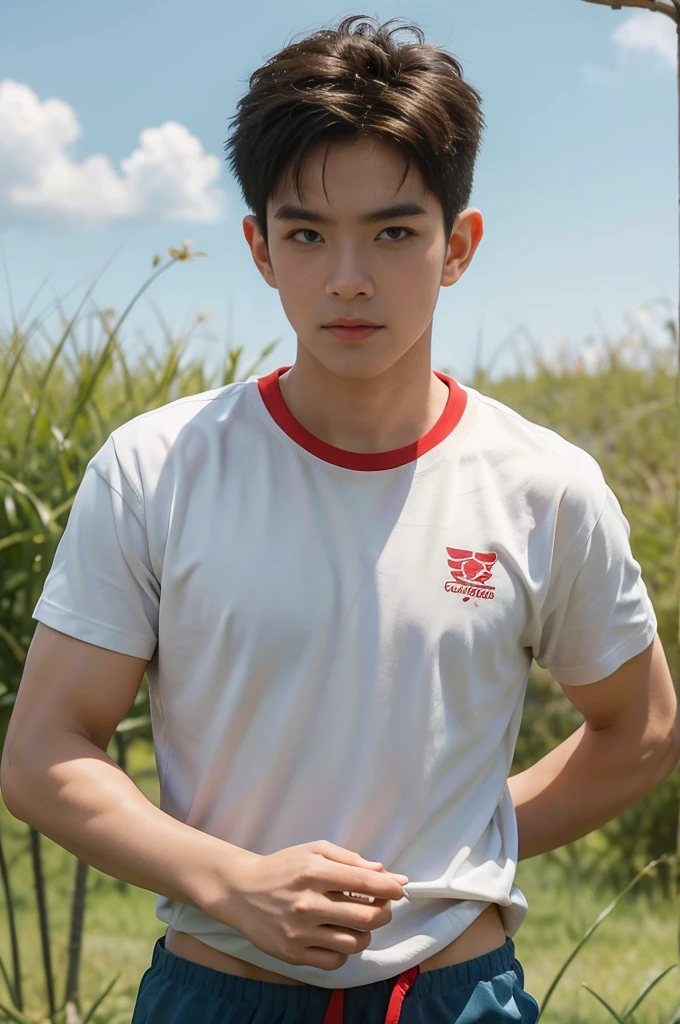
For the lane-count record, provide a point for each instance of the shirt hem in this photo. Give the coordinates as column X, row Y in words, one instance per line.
column 448, row 926
column 92, row 631
column 610, row 663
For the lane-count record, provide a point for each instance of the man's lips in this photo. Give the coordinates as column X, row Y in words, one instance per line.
column 353, row 333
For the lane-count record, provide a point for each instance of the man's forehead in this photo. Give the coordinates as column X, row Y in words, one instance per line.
column 370, row 175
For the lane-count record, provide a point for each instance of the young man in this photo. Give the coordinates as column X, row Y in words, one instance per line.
column 336, row 576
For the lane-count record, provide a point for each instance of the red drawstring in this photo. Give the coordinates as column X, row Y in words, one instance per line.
column 404, row 982
column 335, row 1007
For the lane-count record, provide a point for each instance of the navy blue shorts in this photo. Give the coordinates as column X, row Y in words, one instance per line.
column 488, row 990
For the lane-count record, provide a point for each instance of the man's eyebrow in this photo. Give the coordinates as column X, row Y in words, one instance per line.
column 289, row 211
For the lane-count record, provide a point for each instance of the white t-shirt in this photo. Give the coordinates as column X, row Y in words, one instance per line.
column 340, row 643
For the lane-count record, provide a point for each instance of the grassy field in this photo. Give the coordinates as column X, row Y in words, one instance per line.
column 629, row 949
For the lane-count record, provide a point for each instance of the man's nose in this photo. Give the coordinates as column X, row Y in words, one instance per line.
column 348, row 275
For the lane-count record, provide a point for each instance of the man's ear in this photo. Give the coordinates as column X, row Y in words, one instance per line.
column 259, row 249
column 465, row 237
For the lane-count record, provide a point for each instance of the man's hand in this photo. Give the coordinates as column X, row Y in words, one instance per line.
column 292, row 903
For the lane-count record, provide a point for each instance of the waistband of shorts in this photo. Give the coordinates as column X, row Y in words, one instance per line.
column 313, row 997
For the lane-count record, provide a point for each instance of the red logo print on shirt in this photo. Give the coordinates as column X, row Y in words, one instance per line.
column 471, row 571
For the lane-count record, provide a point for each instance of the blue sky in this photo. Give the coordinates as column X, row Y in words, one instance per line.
column 113, row 119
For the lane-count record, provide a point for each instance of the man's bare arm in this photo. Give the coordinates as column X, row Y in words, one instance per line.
column 628, row 745
column 57, row 776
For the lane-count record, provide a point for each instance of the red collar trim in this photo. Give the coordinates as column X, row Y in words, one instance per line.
column 272, row 397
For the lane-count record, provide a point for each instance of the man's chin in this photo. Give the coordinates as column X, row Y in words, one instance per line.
column 350, row 363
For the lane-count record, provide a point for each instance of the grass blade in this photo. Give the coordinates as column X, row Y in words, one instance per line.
column 44, row 514
column 11, row 1015
column 605, row 1004
column 10, row 987
column 100, row 1000
column 648, row 989
column 596, row 924
column 42, row 390
column 14, row 989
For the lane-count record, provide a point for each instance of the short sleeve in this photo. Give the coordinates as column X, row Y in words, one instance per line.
column 597, row 614
column 101, row 587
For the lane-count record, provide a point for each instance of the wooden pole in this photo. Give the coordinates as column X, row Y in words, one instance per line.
column 671, row 8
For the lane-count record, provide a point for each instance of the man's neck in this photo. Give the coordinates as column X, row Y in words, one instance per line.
column 378, row 414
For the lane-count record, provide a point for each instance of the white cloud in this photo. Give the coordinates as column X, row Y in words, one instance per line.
column 168, row 177
column 649, row 31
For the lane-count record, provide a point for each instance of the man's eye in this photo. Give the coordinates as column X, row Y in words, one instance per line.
column 407, row 230
column 303, row 231
column 310, row 231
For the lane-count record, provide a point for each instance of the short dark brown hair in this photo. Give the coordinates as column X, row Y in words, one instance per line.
column 356, row 81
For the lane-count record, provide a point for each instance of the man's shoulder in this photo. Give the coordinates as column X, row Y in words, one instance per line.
column 536, row 458
column 171, row 418
column 508, row 430
column 140, row 447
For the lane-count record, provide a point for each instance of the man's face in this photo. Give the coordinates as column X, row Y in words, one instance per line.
column 338, row 264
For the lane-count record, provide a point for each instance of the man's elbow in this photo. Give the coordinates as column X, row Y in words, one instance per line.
column 669, row 753
column 8, row 786
column 14, row 782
